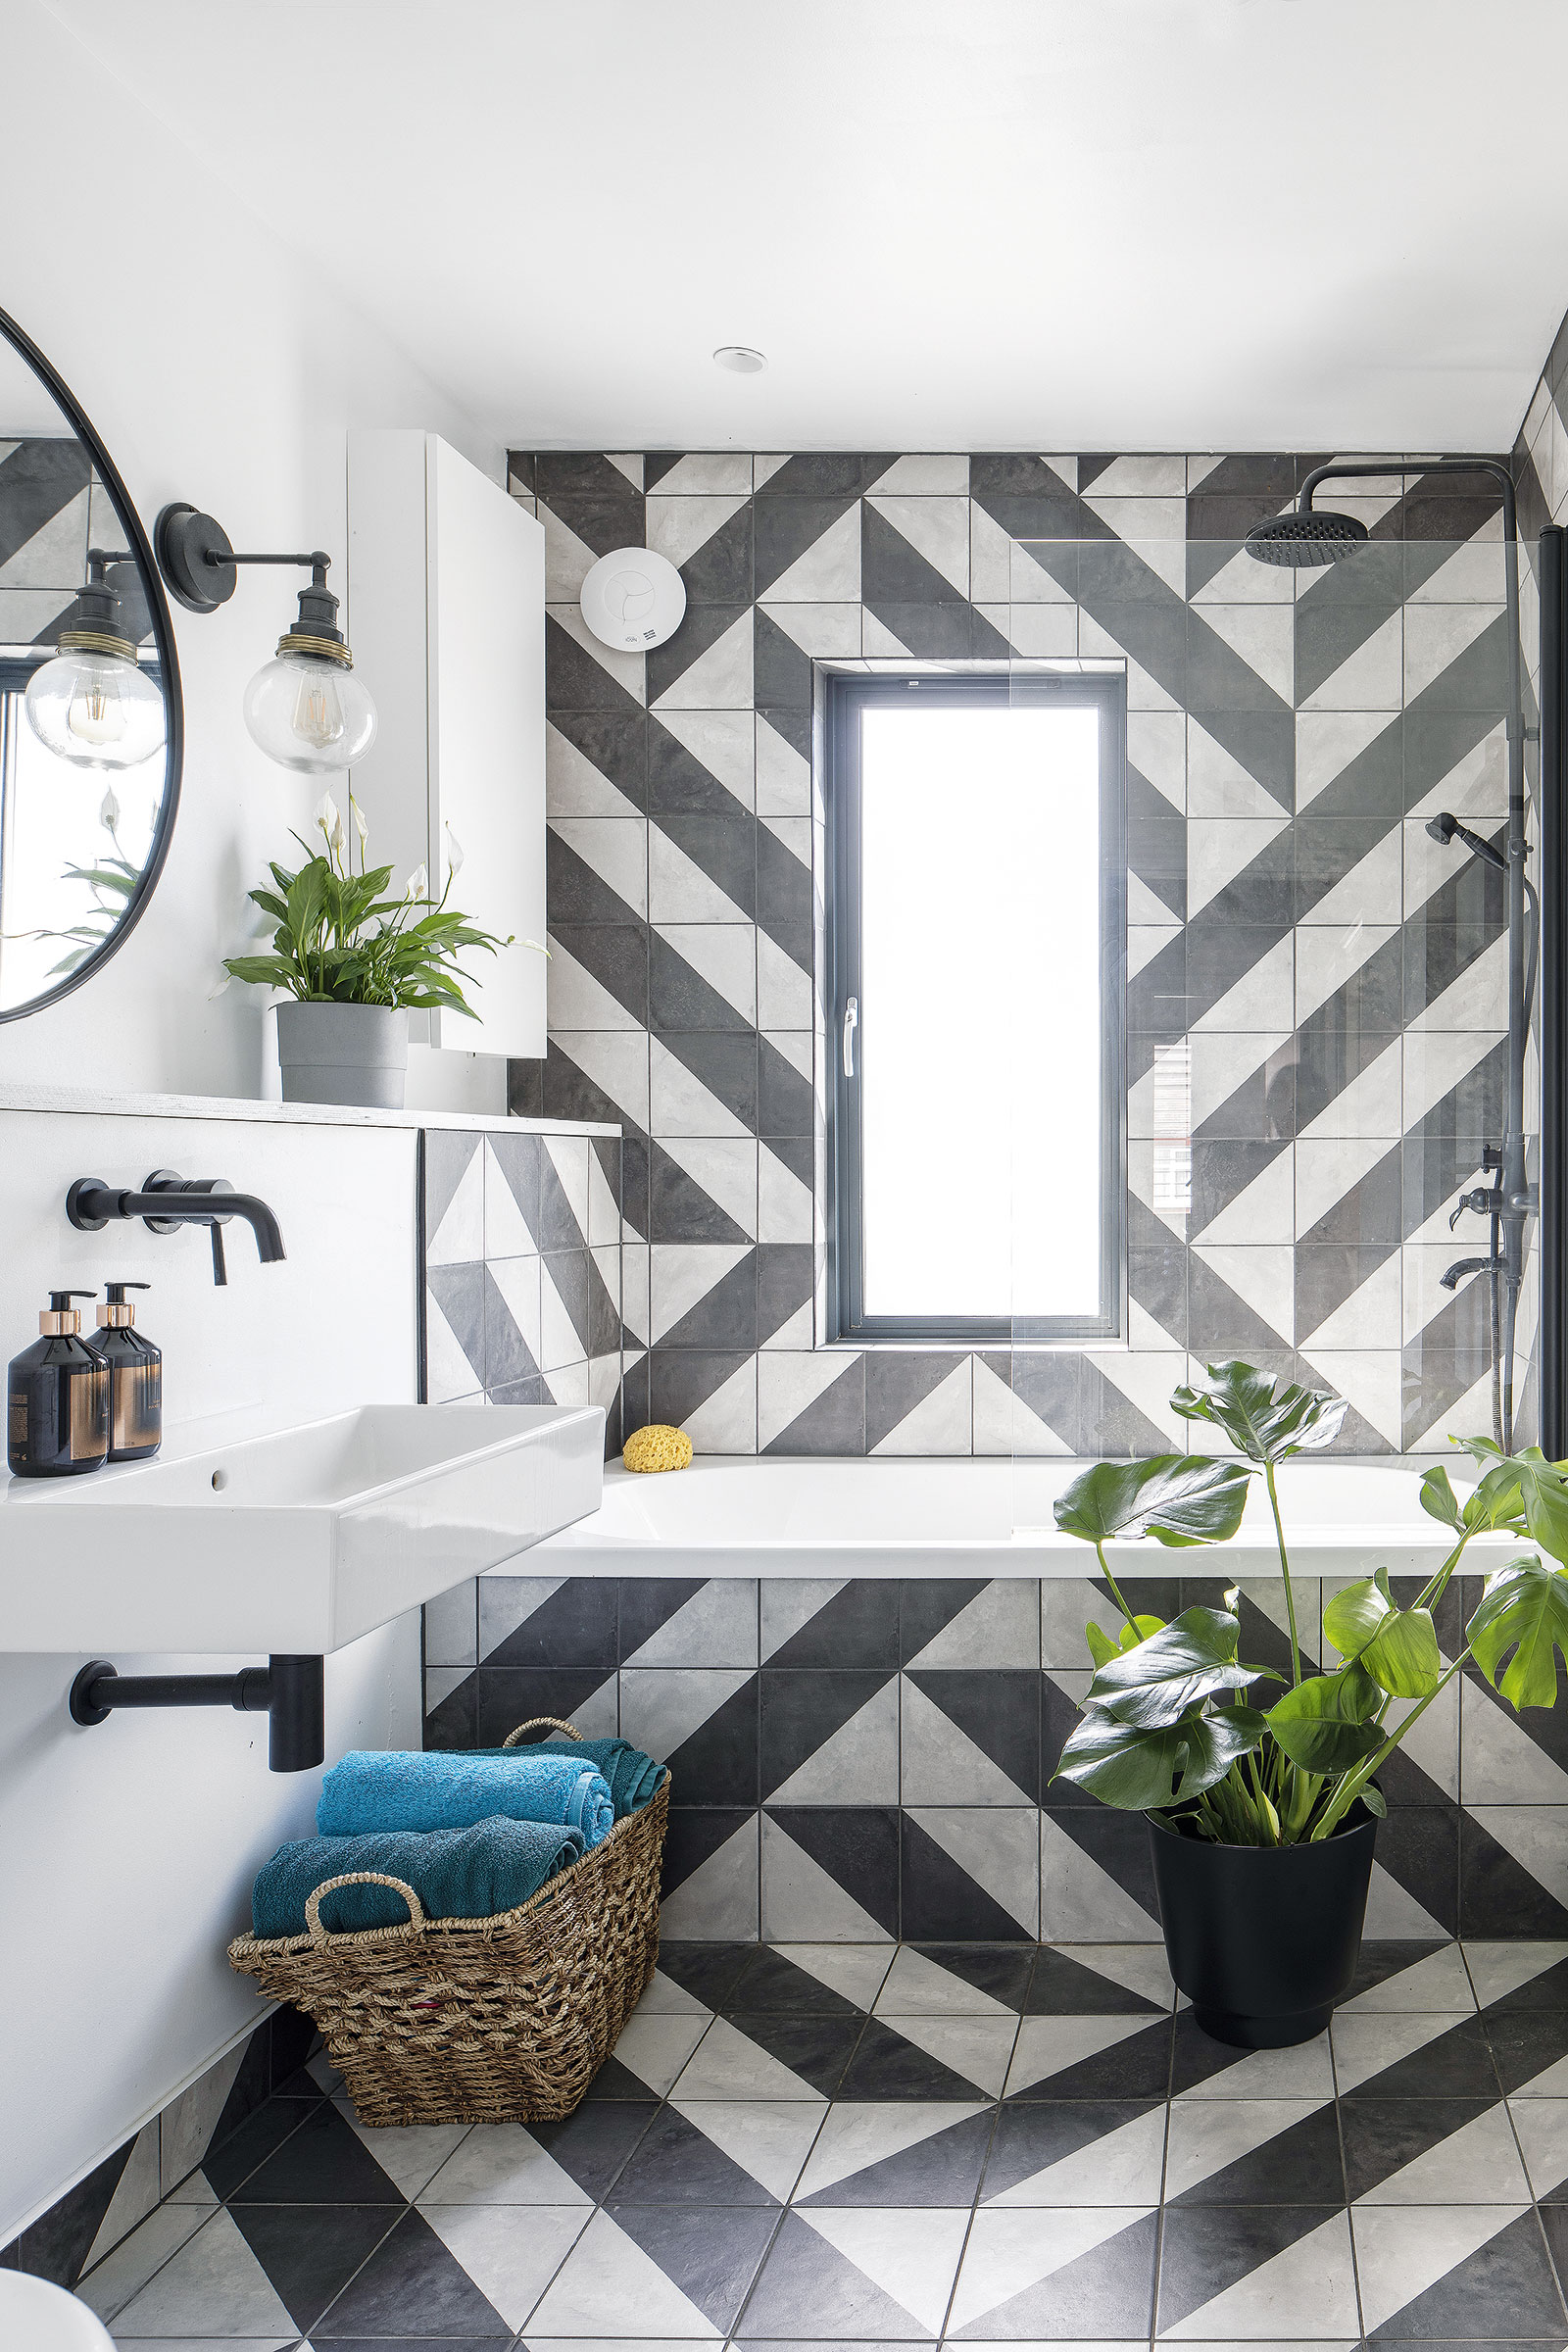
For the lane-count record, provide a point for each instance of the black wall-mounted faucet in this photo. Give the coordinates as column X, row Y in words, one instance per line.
column 166, row 1202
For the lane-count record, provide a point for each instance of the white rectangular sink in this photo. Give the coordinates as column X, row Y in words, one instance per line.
column 296, row 1543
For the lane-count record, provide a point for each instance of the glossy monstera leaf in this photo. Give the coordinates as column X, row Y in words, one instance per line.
column 1266, row 1422
column 1525, row 1487
column 1190, row 1660
column 1104, row 1646
column 1524, row 1608
column 1325, row 1724
column 1139, row 1770
column 1398, row 1647
column 1495, row 1501
column 1176, row 1498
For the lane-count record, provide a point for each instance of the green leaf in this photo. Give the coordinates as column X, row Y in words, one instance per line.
column 1136, row 1769
column 1439, row 1498
column 1524, row 1608
column 1376, row 1803
column 1323, row 1724
column 1402, row 1655
column 1264, row 1420
column 1352, row 1617
column 1102, row 1647
column 1155, row 1683
column 1177, row 1497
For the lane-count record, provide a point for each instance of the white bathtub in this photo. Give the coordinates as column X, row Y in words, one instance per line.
column 734, row 1515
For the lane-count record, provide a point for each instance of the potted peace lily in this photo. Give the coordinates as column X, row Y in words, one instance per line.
column 354, row 962
column 1261, row 1793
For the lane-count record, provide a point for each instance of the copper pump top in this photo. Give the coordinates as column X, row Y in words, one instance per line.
column 61, row 1320
column 119, row 1314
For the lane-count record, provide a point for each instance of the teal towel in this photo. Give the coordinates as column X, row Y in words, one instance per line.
column 632, row 1776
column 398, row 1790
column 457, row 1874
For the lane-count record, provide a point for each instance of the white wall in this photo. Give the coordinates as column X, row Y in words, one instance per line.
column 128, row 1849
column 218, row 367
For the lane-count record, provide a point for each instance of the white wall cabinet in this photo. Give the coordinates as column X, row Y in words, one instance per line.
column 446, row 616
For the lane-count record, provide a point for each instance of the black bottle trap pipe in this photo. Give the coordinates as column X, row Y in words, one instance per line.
column 289, row 1691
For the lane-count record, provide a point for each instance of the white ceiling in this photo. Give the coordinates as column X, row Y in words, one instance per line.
column 1112, row 224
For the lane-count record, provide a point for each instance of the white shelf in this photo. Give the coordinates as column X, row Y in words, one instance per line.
column 83, row 1100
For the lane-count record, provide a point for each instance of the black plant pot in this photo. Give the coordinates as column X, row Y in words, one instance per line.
column 1264, row 1940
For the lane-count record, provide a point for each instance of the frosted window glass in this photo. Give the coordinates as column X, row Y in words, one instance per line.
column 979, row 1045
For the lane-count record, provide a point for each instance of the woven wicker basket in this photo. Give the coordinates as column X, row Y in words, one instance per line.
column 481, row 2021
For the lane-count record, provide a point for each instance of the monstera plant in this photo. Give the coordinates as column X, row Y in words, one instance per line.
column 1225, row 1753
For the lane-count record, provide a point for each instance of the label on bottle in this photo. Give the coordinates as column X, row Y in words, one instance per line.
column 17, row 1432
column 136, row 1420
column 89, row 1415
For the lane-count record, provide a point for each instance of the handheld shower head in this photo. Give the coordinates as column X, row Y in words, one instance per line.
column 1305, row 538
column 1445, row 829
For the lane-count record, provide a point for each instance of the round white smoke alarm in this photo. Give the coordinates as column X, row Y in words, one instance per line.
column 633, row 598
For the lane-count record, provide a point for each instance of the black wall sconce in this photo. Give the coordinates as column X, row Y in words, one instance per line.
column 93, row 703
column 305, row 709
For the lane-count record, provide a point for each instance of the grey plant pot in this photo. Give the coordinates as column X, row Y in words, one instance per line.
column 348, row 1053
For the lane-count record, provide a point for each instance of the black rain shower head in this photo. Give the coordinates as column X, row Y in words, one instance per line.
column 1445, row 828
column 1304, row 540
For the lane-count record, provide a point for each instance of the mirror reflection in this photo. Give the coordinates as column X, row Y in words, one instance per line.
column 83, row 729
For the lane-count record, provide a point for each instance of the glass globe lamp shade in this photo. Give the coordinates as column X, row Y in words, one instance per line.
column 96, row 710
column 309, row 714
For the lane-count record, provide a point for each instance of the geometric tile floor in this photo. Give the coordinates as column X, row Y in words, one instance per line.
column 970, row 2144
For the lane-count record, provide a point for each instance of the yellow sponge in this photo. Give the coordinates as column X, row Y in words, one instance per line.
column 658, row 1447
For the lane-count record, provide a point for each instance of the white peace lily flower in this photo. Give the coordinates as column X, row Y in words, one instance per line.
column 419, row 885
column 453, row 853
column 360, row 825
column 218, row 986
column 327, row 817
column 108, row 810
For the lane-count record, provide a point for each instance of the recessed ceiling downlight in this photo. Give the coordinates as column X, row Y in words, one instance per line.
column 740, row 359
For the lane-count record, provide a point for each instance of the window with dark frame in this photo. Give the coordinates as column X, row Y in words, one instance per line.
column 976, row 1002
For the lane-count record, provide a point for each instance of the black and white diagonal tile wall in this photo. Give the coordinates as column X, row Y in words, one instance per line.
column 862, row 1758
column 52, row 510
column 1316, row 997
column 522, row 1268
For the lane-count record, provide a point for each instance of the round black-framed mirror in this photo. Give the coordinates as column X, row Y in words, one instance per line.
column 91, row 717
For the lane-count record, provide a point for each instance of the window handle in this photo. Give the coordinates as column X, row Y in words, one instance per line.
column 852, row 1021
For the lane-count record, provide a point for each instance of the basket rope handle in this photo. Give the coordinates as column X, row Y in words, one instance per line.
column 358, row 1877
column 568, row 1731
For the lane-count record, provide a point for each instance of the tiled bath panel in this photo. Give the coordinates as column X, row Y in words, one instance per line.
column 900, row 2144
column 865, row 1758
column 1316, row 1010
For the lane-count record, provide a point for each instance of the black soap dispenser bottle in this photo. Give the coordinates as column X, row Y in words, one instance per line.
column 135, row 1377
column 57, row 1421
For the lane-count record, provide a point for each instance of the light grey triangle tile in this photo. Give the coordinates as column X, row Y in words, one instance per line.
column 996, row 1845
column 662, row 1707
column 716, row 1627
column 188, row 2275
column 941, row 1765
column 451, row 1626
column 999, row 1626
column 719, row 1901
column 136, row 2192
column 861, row 1755
column 507, row 1602
column 188, row 2122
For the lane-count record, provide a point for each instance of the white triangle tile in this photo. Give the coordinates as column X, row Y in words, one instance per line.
column 783, row 776
column 678, row 526
column 616, row 1062
column 1050, row 2045
column 489, row 2163
column 722, row 1168
column 827, row 572
column 1368, row 1106
column 1498, row 1970
column 1315, row 2274
column 1262, row 635
column 656, row 2049
column 1218, row 1067
column 576, row 1000
column 937, row 529
column 784, row 1204
column 1217, row 784
column 1532, row 1835
column 449, row 1374
column 977, row 2048
column 1208, row 2135
column 1144, row 909
column 607, row 2275
column 861, row 2132
column 680, row 1104
column 855, row 1969
column 1439, row 1982
column 629, row 670
column 1481, row 2152
column 575, row 787
column 629, row 463
column 1472, row 1412
column 917, row 1985
column 768, row 2138
column 1138, row 1968
column 1220, row 849
column 724, row 742
column 1328, row 954
column 789, row 1385
column 862, row 1754
column 940, row 1761
column 1122, row 2168
column 1401, row 2253
column 1002, row 1422
column 1146, row 1373
column 999, row 1626
column 826, row 632
column 1263, row 1210
column 1079, row 1899
column 800, row 1896
column 1475, row 788
column 1010, row 2252
column 942, row 1423
column 788, row 1605
column 729, row 2065
column 681, row 893
column 663, row 1997
column 1264, row 998
column 1477, row 998
column 726, row 1421
column 1437, row 633
column 1368, row 2042
column 1326, row 743
column 877, row 640
column 459, row 1239
column 213, row 2281
column 568, row 560
column 1033, row 581
column 617, row 854
column 1263, row 1275
column 911, row 2255
column 719, row 679
column 924, row 477
column 763, row 468
column 1369, row 679
column 991, row 557
column 719, row 1900
column 996, row 1844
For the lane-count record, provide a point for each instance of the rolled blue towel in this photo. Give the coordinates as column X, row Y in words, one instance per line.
column 457, row 1874
column 399, row 1789
column 633, row 1777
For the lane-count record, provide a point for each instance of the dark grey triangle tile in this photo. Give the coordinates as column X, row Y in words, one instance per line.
column 785, row 1273
column 678, row 783
column 895, row 1384
column 722, row 847
column 805, row 1707
column 593, row 2144
column 1380, row 2137
column 575, row 681
column 680, row 1210
column 1498, row 1896
column 807, row 2291
column 790, row 526
column 999, row 1971
column 816, row 2048
column 928, row 1604
column 311, row 2252
column 675, row 2164
column 857, row 1626
column 39, row 478
column 57, row 2244
column 834, row 1422
column 615, row 954
column 411, row 2285
column 700, row 631
column 648, row 1603
column 856, row 1845
column 995, row 1708
column 321, row 2163
column 459, row 1291
column 1106, row 2292
column 602, row 520
column 1300, row 2164
column 784, row 1100
column 887, row 2066
column 940, row 2172
column 1208, row 2250
column 1221, row 1170
column 939, row 1901
column 1063, row 1985
column 892, row 570
column 781, row 672
column 576, row 895
column 1374, row 781
column 683, row 1377
column 769, row 1980
column 724, row 1317
column 1370, row 1212
column 1033, row 2135
column 720, row 570
column 579, row 474
column 1505, row 2288
column 447, row 1158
